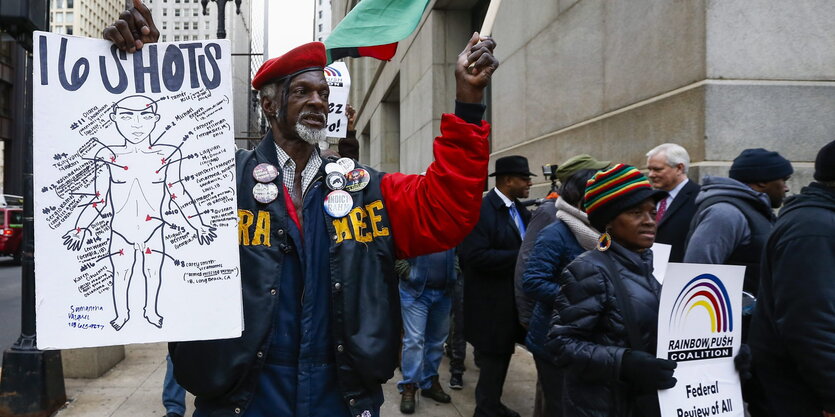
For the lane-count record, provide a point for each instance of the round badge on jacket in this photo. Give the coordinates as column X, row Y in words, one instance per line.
column 265, row 172
column 338, row 203
column 357, row 180
column 335, row 181
column 334, row 167
column 265, row 193
column 346, row 163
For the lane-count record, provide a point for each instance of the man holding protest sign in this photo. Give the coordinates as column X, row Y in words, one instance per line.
column 319, row 291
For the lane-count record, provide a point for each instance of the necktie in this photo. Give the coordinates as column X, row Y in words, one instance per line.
column 662, row 208
column 518, row 220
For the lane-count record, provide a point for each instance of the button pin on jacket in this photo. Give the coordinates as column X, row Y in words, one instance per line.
column 265, row 193
column 346, row 163
column 338, row 203
column 265, row 172
column 334, row 167
column 358, row 179
column 335, row 181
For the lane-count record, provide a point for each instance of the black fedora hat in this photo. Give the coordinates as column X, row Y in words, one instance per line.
column 512, row 165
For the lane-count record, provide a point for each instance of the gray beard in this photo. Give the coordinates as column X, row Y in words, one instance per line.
column 311, row 136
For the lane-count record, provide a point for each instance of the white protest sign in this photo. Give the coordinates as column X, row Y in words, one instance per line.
column 340, row 83
column 660, row 259
column 135, row 201
column 700, row 327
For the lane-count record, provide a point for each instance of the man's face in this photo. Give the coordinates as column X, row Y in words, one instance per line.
column 776, row 191
column 134, row 125
column 307, row 106
column 663, row 176
column 519, row 186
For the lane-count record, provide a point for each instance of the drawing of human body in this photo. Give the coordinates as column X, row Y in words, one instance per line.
column 137, row 181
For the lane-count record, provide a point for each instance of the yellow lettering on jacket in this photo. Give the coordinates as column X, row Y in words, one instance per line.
column 262, row 229
column 375, row 219
column 361, row 223
column 361, row 232
column 343, row 231
column 245, row 218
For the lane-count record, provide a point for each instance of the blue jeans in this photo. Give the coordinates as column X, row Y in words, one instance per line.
column 425, row 328
column 173, row 395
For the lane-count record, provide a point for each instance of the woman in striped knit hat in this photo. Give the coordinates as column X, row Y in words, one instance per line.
column 608, row 305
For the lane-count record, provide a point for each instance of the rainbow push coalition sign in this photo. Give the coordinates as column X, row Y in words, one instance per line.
column 699, row 327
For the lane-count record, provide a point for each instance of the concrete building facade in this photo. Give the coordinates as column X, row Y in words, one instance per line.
column 322, row 20
column 182, row 20
column 613, row 79
column 83, row 17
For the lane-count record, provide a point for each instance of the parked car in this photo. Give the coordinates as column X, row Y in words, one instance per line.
column 11, row 231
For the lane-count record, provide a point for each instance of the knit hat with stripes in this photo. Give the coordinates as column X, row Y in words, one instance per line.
column 615, row 190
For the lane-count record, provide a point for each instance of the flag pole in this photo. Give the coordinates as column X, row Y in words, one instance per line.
column 487, row 24
column 490, row 18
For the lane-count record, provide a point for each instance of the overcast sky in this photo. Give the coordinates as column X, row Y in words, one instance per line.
column 290, row 24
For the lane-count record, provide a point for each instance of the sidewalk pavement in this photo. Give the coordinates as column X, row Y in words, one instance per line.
column 133, row 388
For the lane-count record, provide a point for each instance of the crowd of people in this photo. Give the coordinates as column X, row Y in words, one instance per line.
column 339, row 301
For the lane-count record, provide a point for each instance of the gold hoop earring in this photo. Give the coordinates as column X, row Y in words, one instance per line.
column 604, row 242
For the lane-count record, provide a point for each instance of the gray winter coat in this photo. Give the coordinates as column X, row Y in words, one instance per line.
column 721, row 228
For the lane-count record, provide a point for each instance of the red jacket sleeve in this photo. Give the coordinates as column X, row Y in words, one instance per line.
column 435, row 212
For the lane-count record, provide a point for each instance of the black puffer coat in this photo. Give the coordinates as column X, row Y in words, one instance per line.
column 592, row 337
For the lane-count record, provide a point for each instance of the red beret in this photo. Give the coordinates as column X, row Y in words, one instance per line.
column 307, row 57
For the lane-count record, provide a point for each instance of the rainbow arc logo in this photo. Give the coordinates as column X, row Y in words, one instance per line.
column 332, row 72
column 705, row 292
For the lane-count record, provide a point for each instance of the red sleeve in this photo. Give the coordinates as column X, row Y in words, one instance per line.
column 435, row 212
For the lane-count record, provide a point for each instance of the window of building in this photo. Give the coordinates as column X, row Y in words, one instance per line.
column 164, row 25
column 320, row 27
column 164, row 11
column 59, row 18
column 58, row 4
column 70, row 6
column 194, row 12
column 194, row 25
column 69, row 17
column 176, row 38
column 176, row 12
column 69, row 30
column 176, row 1
column 320, row 14
column 207, row 25
column 164, row 38
column 207, row 36
column 176, row 25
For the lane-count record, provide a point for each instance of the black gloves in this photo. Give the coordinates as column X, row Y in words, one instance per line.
column 646, row 371
column 742, row 362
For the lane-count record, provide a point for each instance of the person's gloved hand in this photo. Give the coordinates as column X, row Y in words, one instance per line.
column 742, row 362
column 646, row 371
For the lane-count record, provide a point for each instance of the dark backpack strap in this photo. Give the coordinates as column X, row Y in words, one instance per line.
column 621, row 298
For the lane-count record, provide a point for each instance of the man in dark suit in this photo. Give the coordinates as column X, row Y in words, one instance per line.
column 667, row 165
column 488, row 258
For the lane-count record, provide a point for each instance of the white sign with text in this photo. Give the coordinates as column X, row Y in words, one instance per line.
column 700, row 327
column 340, row 83
column 135, row 199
